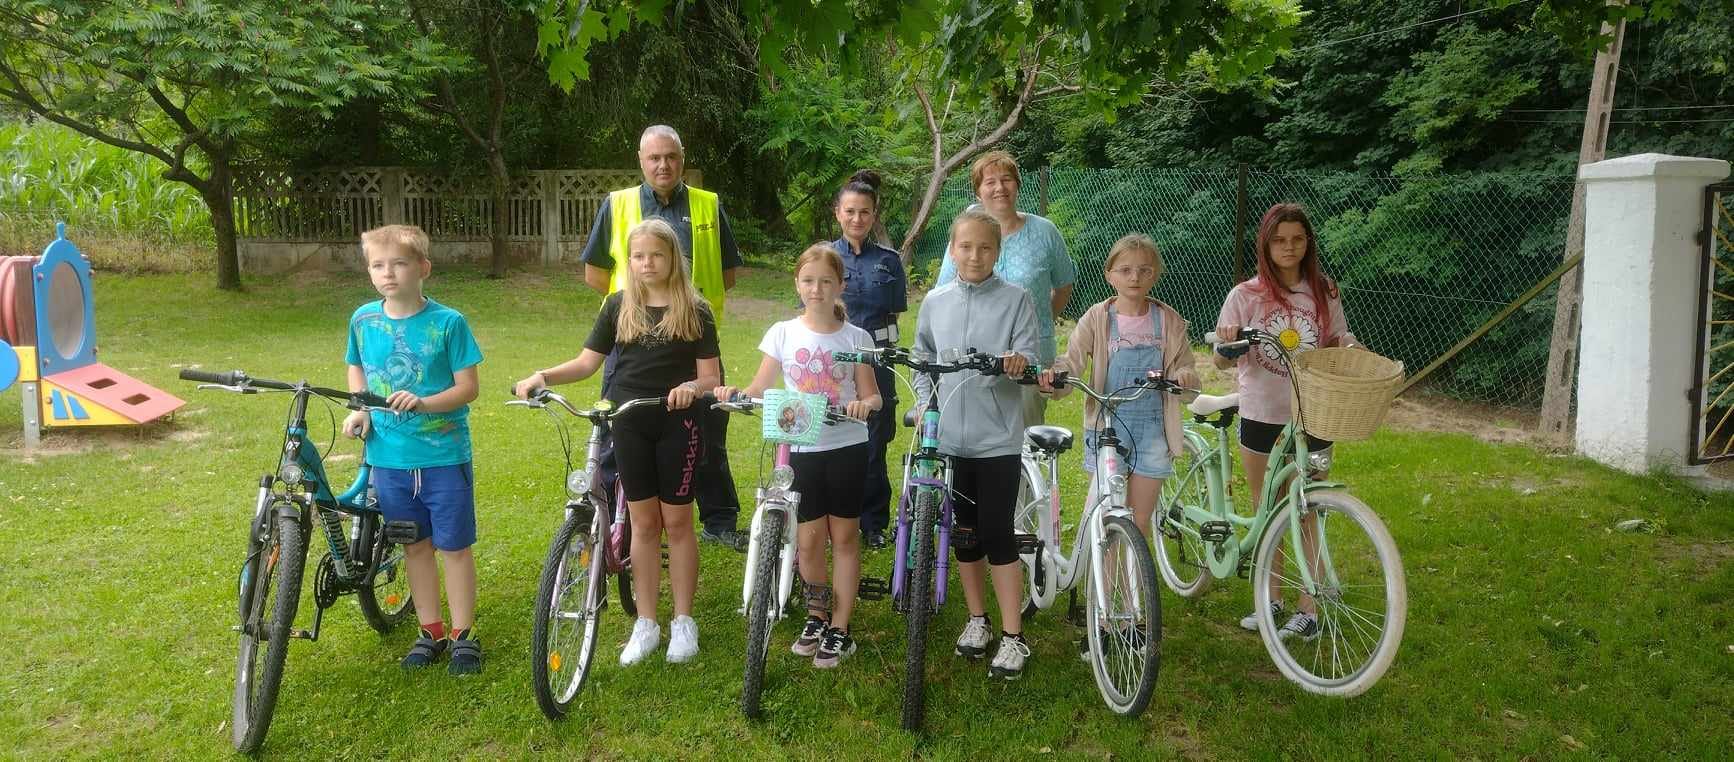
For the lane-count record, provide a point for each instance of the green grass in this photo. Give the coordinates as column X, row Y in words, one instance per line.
column 1534, row 629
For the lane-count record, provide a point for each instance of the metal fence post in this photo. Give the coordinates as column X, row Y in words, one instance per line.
column 1239, row 223
column 1042, row 190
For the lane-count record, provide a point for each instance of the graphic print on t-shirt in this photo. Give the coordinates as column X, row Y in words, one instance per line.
column 1294, row 329
column 814, row 372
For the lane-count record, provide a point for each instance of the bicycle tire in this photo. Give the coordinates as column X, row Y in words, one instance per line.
column 760, row 603
column 1127, row 684
column 386, row 557
column 565, row 572
column 283, row 559
column 920, row 609
column 1336, row 556
column 1036, row 565
column 1179, row 557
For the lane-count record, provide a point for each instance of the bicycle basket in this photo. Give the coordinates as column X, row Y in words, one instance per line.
column 793, row 417
column 1345, row 392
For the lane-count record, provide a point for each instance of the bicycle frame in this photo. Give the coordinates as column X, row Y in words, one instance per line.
column 1067, row 570
column 1214, row 465
column 924, row 469
column 769, row 498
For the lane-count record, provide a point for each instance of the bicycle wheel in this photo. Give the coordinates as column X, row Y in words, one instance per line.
column 1180, row 555
column 1362, row 598
column 919, row 595
column 1126, row 635
column 384, row 598
column 762, row 605
column 274, row 592
column 568, row 613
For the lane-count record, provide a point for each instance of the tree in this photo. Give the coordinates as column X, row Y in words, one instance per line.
column 187, row 81
column 490, row 32
column 987, row 57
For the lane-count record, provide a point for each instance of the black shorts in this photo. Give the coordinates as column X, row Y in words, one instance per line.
column 987, row 491
column 1260, row 437
column 830, row 482
column 657, row 453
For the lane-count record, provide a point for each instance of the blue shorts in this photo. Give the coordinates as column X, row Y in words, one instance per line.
column 1145, row 442
column 440, row 500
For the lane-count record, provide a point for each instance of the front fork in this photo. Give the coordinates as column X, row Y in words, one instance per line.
column 786, row 503
column 906, row 530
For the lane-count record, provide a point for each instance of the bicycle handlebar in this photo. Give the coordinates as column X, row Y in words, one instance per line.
column 598, row 415
column 238, row 381
column 747, row 405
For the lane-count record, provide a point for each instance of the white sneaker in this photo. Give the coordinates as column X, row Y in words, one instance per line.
column 682, row 640
column 1250, row 621
column 973, row 642
column 645, row 636
column 1008, row 664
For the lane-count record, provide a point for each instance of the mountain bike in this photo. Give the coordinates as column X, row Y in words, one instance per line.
column 363, row 556
column 591, row 544
column 769, row 580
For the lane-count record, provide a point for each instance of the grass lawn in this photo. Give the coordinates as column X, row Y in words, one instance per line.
column 1535, row 630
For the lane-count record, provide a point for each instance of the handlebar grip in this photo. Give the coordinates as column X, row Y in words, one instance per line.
column 368, row 399
column 227, row 378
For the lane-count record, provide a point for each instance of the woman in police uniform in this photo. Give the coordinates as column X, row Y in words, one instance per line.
column 875, row 293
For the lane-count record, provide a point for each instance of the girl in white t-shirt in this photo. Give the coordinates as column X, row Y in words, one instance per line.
column 828, row 475
column 1294, row 301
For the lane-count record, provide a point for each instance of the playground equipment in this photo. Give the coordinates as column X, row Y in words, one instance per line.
column 48, row 347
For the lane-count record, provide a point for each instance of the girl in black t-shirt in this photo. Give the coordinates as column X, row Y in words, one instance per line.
column 667, row 343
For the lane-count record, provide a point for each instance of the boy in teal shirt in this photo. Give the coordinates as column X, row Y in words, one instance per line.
column 421, row 357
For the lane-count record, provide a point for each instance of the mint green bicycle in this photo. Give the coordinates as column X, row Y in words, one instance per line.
column 1351, row 572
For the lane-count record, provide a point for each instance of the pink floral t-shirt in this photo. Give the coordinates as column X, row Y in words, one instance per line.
column 1265, row 391
column 808, row 367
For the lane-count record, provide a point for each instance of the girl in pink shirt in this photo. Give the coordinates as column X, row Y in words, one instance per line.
column 1293, row 300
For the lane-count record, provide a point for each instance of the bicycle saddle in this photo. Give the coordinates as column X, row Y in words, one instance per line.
column 1051, row 439
column 1207, row 404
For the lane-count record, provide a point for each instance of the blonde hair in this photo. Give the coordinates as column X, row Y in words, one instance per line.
column 1131, row 242
column 824, row 254
column 990, row 161
column 407, row 237
column 683, row 321
column 973, row 214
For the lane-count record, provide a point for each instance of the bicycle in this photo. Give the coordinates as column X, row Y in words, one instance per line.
column 769, row 578
column 925, row 531
column 1123, row 614
column 589, row 545
column 1201, row 537
column 364, row 559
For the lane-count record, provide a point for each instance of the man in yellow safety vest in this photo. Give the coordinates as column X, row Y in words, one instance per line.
column 709, row 244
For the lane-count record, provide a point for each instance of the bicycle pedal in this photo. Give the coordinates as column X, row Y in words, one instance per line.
column 303, row 634
column 963, row 537
column 402, row 532
column 1027, row 543
column 1215, row 531
column 873, row 589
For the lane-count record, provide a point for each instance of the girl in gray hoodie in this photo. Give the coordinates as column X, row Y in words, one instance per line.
column 981, row 428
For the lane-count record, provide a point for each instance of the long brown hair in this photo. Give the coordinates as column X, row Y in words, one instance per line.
column 824, row 254
column 1312, row 269
column 682, row 321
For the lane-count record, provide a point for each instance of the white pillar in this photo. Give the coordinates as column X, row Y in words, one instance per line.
column 1642, row 216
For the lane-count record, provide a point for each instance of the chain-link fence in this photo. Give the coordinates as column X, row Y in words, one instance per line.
column 1422, row 261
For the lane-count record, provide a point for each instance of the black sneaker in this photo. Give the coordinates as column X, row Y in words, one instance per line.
column 425, row 652
column 811, row 633
column 466, row 653
column 836, row 647
column 728, row 538
column 875, row 540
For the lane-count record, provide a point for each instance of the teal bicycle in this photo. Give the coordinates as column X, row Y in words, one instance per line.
column 1320, row 544
column 363, row 554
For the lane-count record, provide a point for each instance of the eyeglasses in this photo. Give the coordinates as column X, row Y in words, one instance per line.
column 1142, row 271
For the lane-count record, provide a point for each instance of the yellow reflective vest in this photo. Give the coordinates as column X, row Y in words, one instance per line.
column 706, row 241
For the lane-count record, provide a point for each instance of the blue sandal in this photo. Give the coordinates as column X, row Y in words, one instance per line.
column 425, row 652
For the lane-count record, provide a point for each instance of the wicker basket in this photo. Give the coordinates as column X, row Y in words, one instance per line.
column 1345, row 391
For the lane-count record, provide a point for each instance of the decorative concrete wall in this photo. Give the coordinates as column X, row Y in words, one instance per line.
column 1642, row 217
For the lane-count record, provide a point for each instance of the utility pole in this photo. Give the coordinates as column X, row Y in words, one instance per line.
column 1561, row 382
